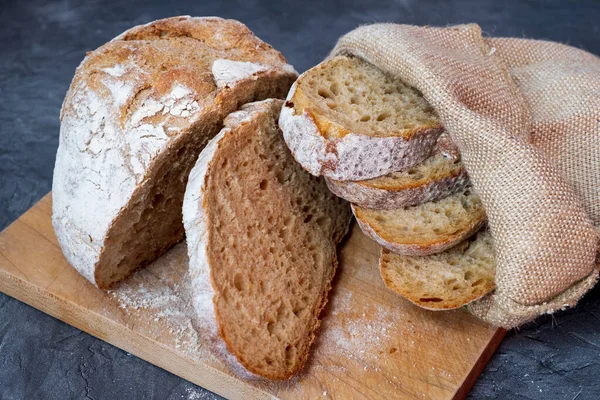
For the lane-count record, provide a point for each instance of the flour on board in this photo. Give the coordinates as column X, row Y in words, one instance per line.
column 357, row 335
column 160, row 298
column 161, row 295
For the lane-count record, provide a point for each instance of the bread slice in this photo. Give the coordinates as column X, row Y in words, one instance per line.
column 262, row 237
column 427, row 228
column 437, row 177
column 443, row 281
column 348, row 120
column 138, row 112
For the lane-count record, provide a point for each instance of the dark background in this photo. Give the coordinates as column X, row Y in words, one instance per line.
column 41, row 43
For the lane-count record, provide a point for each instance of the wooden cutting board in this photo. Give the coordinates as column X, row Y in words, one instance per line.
column 372, row 344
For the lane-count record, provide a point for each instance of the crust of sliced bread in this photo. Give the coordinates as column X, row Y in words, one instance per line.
column 326, row 148
column 439, row 176
column 233, row 247
column 448, row 280
column 138, row 112
column 426, row 228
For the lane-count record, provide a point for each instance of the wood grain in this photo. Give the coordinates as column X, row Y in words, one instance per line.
column 372, row 344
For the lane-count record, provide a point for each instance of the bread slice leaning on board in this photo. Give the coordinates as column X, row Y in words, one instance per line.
column 347, row 120
column 426, row 228
column 262, row 236
column 440, row 175
column 451, row 279
column 138, row 112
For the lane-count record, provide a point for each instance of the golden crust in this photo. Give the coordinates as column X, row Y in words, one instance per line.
column 396, row 186
column 220, row 35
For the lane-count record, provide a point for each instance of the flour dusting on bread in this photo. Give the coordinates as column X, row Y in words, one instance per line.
column 138, row 112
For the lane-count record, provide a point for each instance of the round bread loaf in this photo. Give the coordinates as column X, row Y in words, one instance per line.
column 138, row 112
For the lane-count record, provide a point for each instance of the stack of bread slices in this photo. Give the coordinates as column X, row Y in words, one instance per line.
column 381, row 146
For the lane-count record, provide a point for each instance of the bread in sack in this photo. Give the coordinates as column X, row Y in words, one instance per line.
column 426, row 228
column 443, row 281
column 347, row 120
column 439, row 176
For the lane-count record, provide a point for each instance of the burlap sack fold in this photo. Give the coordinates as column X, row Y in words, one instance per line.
column 526, row 117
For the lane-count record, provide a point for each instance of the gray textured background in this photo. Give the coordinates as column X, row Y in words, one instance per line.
column 41, row 43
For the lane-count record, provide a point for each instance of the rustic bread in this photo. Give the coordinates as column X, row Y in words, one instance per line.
column 262, row 237
column 439, row 176
column 138, row 112
column 427, row 228
column 348, row 120
column 447, row 280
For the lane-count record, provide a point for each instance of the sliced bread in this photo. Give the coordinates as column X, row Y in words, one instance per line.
column 138, row 112
column 426, row 228
column 348, row 120
column 446, row 280
column 437, row 177
column 262, row 236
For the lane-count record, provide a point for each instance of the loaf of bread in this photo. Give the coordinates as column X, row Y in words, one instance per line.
column 262, row 236
column 426, row 228
column 446, row 280
column 138, row 112
column 347, row 120
column 438, row 176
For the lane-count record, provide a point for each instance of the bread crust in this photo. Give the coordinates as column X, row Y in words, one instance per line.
column 348, row 156
column 131, row 103
column 424, row 248
column 369, row 195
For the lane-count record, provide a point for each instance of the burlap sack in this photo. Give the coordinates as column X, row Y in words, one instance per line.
column 526, row 116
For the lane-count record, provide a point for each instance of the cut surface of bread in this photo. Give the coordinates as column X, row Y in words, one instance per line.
column 437, row 177
column 447, row 280
column 262, row 236
column 138, row 112
column 426, row 228
column 348, row 120
column 348, row 94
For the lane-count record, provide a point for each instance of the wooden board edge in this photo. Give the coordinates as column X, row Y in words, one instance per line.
column 160, row 354
column 132, row 342
column 483, row 359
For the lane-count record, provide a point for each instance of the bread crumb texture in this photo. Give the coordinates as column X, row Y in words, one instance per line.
column 270, row 232
column 425, row 228
column 446, row 280
column 351, row 93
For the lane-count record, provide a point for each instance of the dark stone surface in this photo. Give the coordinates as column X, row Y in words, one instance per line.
column 41, row 43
